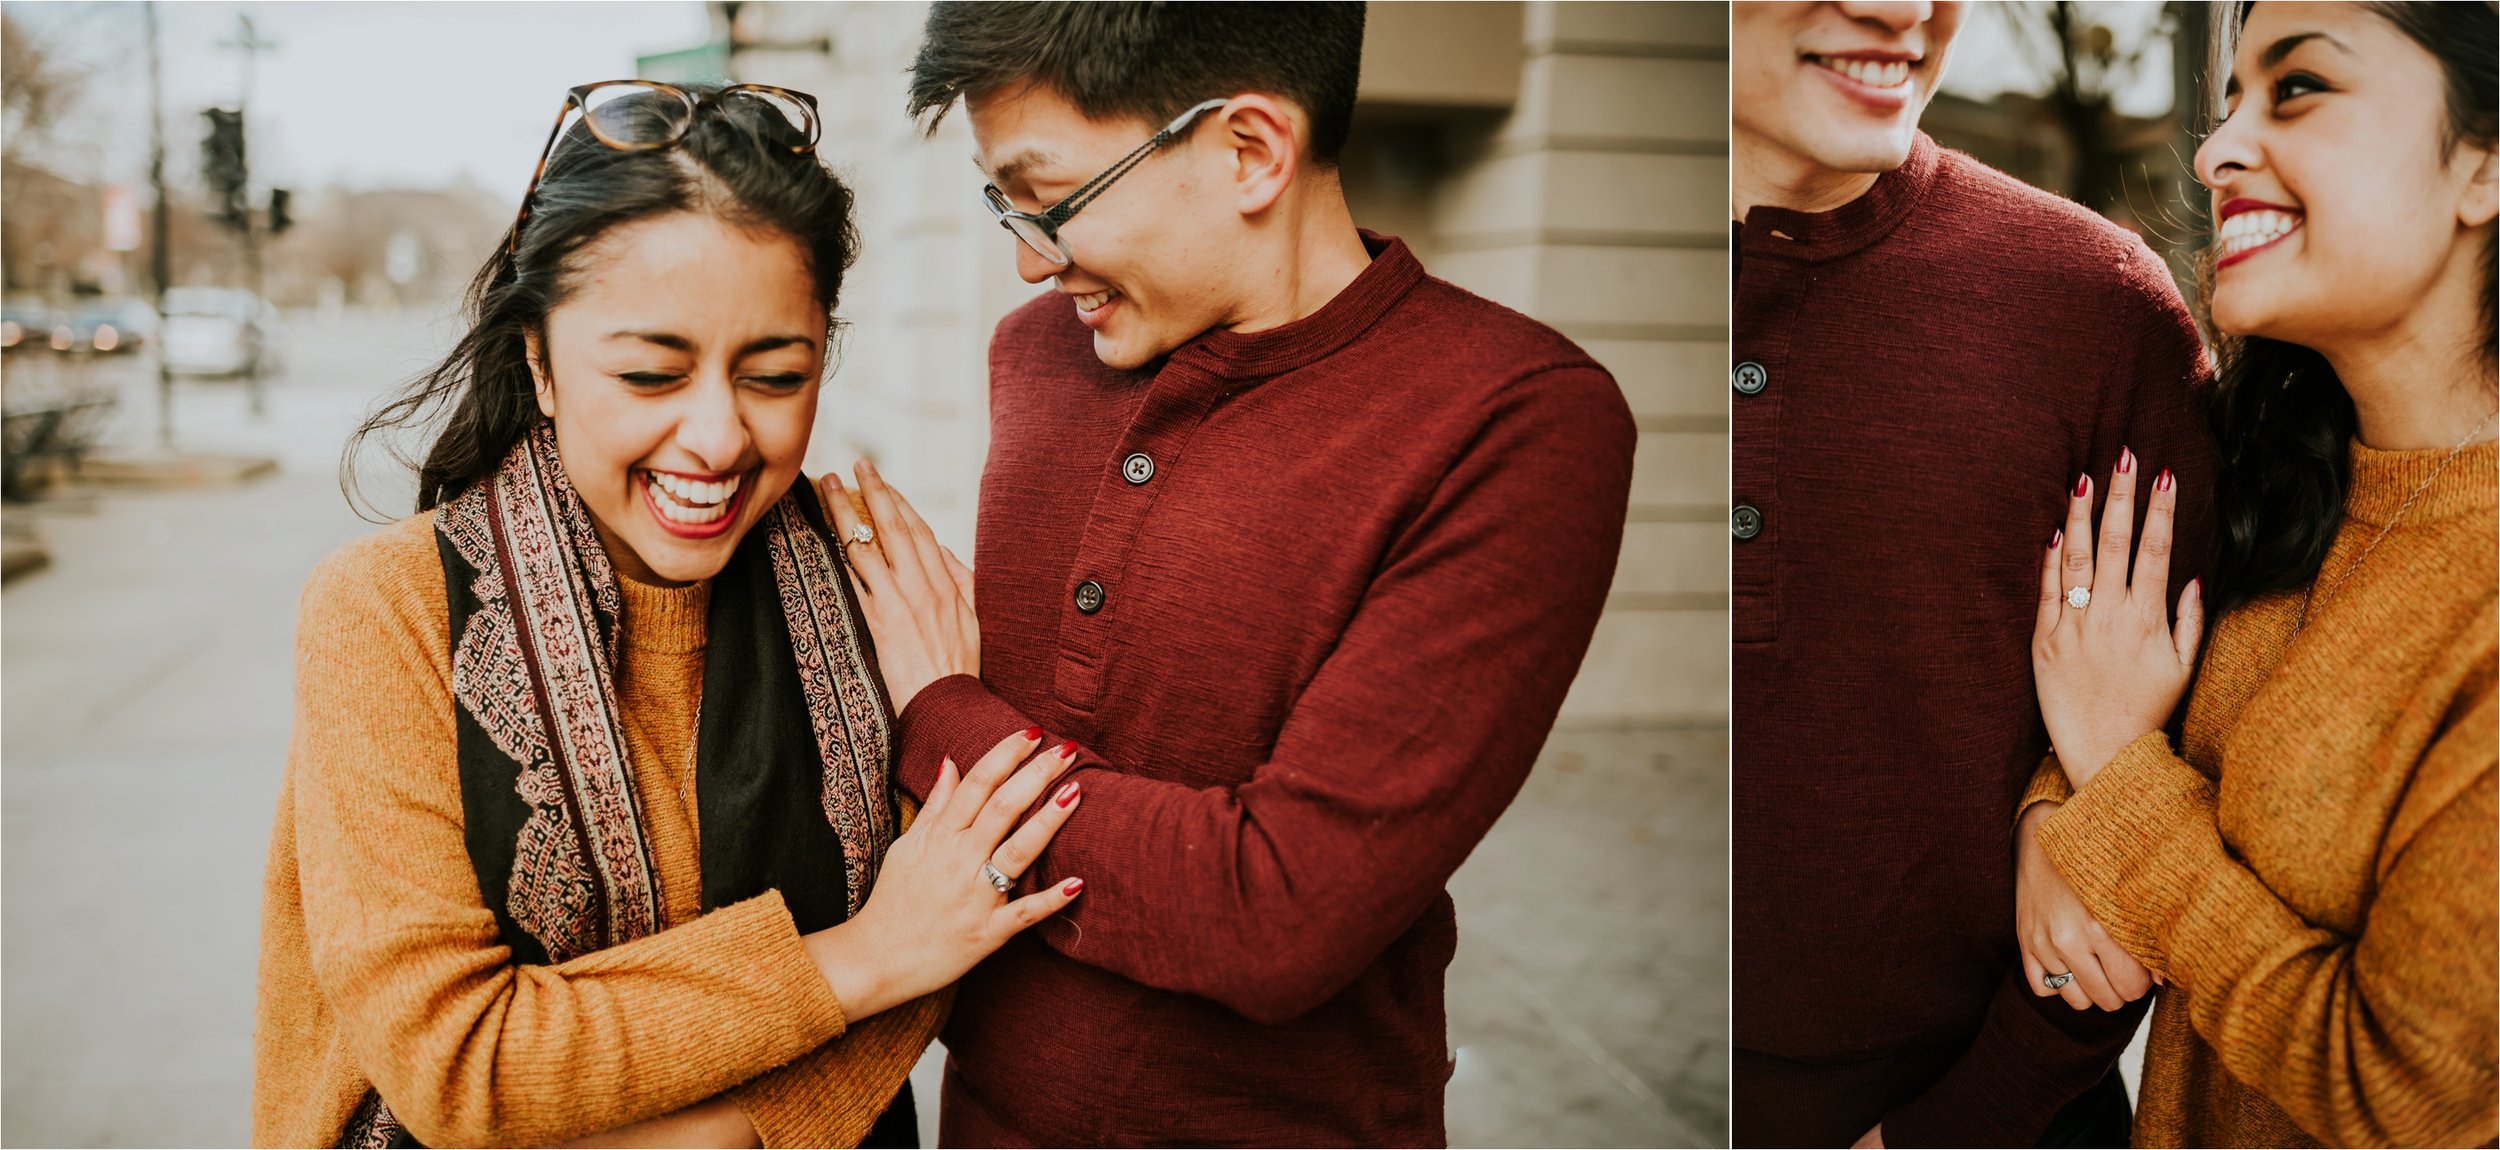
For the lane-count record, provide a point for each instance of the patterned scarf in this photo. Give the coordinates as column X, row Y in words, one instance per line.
column 791, row 740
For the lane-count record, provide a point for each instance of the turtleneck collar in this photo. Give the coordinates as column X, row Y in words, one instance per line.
column 663, row 620
column 1818, row 236
column 2382, row 480
column 1392, row 273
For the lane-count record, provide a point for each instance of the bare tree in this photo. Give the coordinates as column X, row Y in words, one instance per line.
column 2085, row 63
column 36, row 86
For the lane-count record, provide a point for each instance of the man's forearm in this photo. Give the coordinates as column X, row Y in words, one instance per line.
column 2032, row 1056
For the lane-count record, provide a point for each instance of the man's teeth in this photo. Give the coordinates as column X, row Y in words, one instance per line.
column 1090, row 302
column 1872, row 73
column 2255, row 229
column 691, row 501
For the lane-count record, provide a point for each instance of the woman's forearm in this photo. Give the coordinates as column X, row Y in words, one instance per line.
column 857, row 970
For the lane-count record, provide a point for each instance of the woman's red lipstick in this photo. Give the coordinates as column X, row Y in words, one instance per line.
column 2244, row 227
column 729, row 507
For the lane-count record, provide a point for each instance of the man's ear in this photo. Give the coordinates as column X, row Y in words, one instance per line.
column 2482, row 194
column 534, row 350
column 1263, row 136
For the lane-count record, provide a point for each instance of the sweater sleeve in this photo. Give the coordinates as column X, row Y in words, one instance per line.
column 1412, row 737
column 2385, row 1038
column 465, row 1045
column 835, row 1093
column 2034, row 1054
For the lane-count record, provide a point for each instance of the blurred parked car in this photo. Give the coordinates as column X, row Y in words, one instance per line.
column 110, row 326
column 219, row 331
column 26, row 322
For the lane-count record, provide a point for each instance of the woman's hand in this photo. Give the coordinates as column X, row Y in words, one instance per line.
column 2059, row 936
column 934, row 912
column 2112, row 670
column 917, row 595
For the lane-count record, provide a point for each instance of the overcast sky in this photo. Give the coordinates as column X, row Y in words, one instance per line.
column 363, row 94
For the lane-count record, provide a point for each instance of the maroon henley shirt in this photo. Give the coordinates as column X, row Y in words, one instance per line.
column 1310, row 599
column 1919, row 377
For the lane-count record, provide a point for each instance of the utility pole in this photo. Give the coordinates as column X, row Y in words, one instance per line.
column 247, row 41
column 160, row 253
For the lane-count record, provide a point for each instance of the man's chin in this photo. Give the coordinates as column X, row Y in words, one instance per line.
column 1127, row 354
column 1870, row 152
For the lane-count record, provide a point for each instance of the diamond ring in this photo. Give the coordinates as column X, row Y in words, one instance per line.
column 2058, row 981
column 863, row 533
column 2079, row 597
column 999, row 879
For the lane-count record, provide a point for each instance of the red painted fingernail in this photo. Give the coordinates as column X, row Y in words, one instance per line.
column 1033, row 733
column 1068, row 749
column 2163, row 481
column 2126, row 460
column 2083, row 483
column 2056, row 539
column 1067, row 794
column 1074, row 885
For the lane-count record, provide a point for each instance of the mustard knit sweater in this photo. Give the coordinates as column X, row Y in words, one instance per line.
column 2315, row 875
column 381, row 964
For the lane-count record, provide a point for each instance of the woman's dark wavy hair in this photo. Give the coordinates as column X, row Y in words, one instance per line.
column 734, row 163
column 2282, row 418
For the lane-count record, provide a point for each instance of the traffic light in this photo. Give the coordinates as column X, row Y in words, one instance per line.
column 279, row 220
column 224, row 167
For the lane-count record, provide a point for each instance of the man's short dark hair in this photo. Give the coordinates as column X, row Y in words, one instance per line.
column 1151, row 60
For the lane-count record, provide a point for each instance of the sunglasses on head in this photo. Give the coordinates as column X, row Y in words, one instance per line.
column 642, row 115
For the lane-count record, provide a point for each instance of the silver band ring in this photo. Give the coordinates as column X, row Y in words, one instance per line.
column 862, row 533
column 2058, row 981
column 2078, row 597
column 998, row 878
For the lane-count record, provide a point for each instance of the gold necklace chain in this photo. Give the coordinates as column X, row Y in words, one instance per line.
column 2309, row 600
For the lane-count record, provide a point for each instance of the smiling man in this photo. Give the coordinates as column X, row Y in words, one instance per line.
column 1303, row 545
column 1927, row 356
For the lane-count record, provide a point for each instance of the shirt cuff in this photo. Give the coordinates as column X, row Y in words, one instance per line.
column 2135, row 843
column 957, row 717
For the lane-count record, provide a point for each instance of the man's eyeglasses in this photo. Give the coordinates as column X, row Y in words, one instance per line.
column 1040, row 230
column 640, row 115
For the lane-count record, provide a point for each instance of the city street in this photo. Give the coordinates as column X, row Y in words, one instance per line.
column 144, row 728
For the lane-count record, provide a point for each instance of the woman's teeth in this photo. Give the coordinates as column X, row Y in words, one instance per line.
column 1090, row 302
column 1872, row 73
column 2254, row 229
column 689, row 500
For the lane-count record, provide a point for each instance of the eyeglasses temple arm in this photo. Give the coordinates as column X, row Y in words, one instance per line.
column 1059, row 212
column 540, row 172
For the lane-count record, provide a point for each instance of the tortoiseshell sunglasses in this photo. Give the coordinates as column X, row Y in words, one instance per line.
column 640, row 115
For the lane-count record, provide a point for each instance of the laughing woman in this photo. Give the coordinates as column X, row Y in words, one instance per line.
column 586, row 830
column 2311, row 873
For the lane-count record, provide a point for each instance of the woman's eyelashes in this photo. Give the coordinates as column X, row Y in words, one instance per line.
column 2294, row 85
column 771, row 381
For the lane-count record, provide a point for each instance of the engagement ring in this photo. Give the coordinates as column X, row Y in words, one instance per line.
column 863, row 533
column 2058, row 981
column 2079, row 598
column 997, row 878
